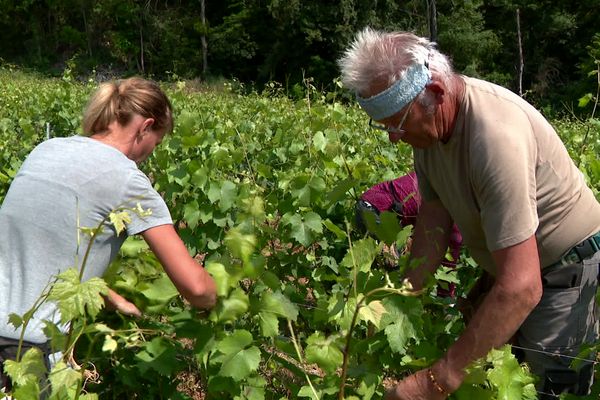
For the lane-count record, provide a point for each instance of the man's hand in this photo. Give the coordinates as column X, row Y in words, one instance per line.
column 115, row 301
column 417, row 386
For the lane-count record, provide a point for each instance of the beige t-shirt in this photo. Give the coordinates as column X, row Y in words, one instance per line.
column 505, row 175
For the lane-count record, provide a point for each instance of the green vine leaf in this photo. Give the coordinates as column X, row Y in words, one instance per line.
column 110, row 344
column 119, row 219
column 269, row 324
column 237, row 356
column 240, row 244
column 65, row 381
column 372, row 312
column 241, row 364
column 304, row 227
column 27, row 391
column 159, row 291
column 15, row 320
column 324, row 352
column 76, row 299
column 362, row 254
column 276, row 303
column 511, row 379
column 232, row 307
column 403, row 321
column 225, row 277
column 31, row 368
column 225, row 193
column 159, row 355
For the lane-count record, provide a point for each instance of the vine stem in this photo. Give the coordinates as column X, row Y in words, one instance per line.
column 584, row 141
column 349, row 337
column 26, row 321
column 245, row 149
column 359, row 304
column 299, row 353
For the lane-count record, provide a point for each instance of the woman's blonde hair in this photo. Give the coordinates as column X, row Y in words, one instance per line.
column 121, row 100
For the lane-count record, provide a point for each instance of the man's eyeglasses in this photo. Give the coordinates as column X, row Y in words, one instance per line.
column 397, row 129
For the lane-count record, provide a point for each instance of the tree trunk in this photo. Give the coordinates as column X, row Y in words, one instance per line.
column 88, row 35
column 203, row 39
column 521, row 63
column 432, row 14
column 143, row 68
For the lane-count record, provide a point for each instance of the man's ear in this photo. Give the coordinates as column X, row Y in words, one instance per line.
column 437, row 89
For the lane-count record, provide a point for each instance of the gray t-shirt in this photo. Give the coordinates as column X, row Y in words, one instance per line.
column 65, row 183
column 505, row 175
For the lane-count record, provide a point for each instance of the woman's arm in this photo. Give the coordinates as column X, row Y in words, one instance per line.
column 189, row 277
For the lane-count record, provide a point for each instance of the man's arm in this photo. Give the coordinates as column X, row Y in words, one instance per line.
column 515, row 293
column 188, row 276
column 430, row 241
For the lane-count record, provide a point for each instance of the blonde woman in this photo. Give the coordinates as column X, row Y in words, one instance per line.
column 73, row 182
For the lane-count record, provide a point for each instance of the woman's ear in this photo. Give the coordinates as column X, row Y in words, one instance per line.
column 147, row 124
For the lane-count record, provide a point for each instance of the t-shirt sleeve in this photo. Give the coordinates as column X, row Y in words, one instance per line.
column 504, row 182
column 140, row 191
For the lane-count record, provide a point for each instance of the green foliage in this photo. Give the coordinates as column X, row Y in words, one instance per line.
column 263, row 190
column 500, row 371
column 463, row 36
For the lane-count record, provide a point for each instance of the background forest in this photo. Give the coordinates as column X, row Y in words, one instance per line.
column 537, row 48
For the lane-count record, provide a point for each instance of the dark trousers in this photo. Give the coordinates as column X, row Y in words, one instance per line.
column 564, row 320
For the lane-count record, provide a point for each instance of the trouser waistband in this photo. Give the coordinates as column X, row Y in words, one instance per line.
column 580, row 251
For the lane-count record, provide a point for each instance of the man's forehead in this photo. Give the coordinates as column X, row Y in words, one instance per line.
column 394, row 98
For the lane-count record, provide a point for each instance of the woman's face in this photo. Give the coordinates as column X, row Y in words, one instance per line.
column 145, row 143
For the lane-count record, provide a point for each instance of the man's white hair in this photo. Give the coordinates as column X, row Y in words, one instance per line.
column 383, row 57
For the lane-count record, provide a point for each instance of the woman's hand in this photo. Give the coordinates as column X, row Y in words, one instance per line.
column 115, row 301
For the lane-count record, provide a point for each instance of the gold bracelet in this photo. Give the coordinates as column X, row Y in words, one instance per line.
column 435, row 383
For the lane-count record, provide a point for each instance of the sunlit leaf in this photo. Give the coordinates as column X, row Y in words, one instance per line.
column 77, row 299
column 224, row 279
column 15, row 320
column 110, row 344
column 372, row 312
column 31, row 367
column 232, row 307
column 319, row 141
column 120, row 219
column 191, row 213
column 65, row 380
column 235, row 342
column 339, row 233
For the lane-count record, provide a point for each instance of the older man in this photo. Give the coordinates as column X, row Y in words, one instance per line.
column 491, row 163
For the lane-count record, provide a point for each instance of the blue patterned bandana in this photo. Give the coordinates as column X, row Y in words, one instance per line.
column 397, row 96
